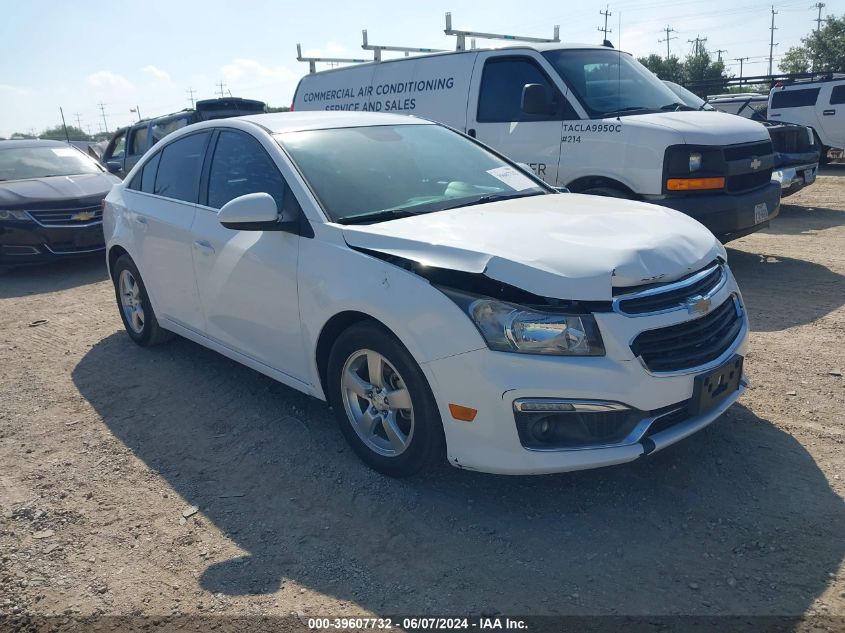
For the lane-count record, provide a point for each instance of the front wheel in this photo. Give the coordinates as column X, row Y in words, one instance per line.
column 383, row 403
column 136, row 311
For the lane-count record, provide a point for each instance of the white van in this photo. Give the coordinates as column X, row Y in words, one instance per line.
column 818, row 104
column 589, row 118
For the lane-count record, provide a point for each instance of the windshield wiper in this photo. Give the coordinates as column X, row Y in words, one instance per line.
column 376, row 216
column 496, row 197
column 674, row 107
column 613, row 113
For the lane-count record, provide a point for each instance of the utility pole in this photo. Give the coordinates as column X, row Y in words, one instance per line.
column 668, row 39
column 772, row 28
column 697, row 44
column 606, row 13
column 190, row 92
column 222, row 91
column 103, row 112
column 818, row 20
column 719, row 54
column 78, row 120
column 741, row 60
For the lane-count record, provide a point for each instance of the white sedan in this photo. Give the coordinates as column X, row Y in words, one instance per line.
column 444, row 301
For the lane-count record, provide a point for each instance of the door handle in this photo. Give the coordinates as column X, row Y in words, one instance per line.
column 471, row 132
column 829, row 112
column 204, row 247
column 772, row 115
column 141, row 219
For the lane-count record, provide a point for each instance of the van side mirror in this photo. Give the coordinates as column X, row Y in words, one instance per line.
column 535, row 99
column 114, row 166
column 252, row 212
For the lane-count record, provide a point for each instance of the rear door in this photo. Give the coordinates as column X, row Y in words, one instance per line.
column 495, row 116
column 162, row 214
column 832, row 106
column 137, row 143
column 247, row 280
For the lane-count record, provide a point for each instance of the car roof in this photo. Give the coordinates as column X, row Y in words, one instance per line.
column 279, row 122
column 31, row 142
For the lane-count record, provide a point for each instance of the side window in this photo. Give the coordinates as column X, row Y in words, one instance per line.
column 240, row 166
column 179, row 168
column 837, row 95
column 160, row 129
column 148, row 174
column 795, row 98
column 118, row 145
column 500, row 97
column 138, row 141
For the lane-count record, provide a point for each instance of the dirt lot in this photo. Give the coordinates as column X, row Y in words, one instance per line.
column 104, row 447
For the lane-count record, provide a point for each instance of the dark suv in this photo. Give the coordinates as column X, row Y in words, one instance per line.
column 130, row 143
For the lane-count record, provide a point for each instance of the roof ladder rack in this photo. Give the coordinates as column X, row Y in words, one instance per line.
column 312, row 61
column 377, row 49
column 462, row 35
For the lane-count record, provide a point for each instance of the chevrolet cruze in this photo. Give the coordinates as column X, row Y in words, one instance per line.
column 444, row 301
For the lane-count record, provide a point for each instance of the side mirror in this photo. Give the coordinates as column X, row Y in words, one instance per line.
column 113, row 166
column 252, row 212
column 535, row 99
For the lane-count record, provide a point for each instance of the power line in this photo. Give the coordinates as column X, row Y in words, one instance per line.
column 669, row 38
column 606, row 13
column 190, row 92
column 772, row 28
column 222, row 91
column 103, row 112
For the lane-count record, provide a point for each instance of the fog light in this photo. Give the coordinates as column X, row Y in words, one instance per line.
column 559, row 424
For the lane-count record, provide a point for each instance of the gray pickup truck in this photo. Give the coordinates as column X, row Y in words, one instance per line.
column 128, row 144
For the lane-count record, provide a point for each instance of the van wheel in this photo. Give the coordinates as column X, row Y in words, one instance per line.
column 134, row 305
column 383, row 403
column 823, row 158
column 609, row 192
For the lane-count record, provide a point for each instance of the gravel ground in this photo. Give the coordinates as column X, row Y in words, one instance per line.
column 174, row 481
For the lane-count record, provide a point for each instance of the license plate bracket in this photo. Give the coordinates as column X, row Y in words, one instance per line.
column 712, row 388
column 761, row 212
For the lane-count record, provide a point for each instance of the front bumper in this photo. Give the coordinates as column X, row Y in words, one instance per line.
column 793, row 178
column 31, row 243
column 728, row 216
column 491, row 381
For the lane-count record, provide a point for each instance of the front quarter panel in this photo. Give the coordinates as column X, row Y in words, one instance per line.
column 333, row 278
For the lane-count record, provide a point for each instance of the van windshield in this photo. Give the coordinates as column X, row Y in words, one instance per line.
column 363, row 175
column 612, row 83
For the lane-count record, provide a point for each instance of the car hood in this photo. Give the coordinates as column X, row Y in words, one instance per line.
column 56, row 189
column 566, row 246
column 708, row 127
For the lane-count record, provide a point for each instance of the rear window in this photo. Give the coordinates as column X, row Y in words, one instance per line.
column 838, row 95
column 795, row 98
column 179, row 168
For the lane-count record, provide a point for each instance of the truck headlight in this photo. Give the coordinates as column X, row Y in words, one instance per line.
column 6, row 214
column 508, row 327
column 694, row 161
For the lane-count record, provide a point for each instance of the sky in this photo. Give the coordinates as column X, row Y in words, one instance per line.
column 148, row 55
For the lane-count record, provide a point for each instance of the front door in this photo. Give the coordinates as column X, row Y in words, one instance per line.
column 247, row 280
column 495, row 112
column 832, row 107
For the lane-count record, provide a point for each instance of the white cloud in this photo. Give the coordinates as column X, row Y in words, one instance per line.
column 250, row 71
column 13, row 91
column 156, row 73
column 107, row 80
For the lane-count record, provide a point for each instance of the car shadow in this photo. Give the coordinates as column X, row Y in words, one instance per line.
column 783, row 292
column 797, row 219
column 52, row 277
column 738, row 519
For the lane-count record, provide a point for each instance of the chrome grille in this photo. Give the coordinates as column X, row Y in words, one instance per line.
column 67, row 217
column 674, row 295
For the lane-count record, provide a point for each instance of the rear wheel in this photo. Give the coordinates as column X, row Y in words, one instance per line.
column 823, row 158
column 136, row 311
column 383, row 403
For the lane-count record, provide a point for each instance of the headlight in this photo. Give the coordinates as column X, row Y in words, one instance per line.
column 507, row 327
column 14, row 215
column 694, row 161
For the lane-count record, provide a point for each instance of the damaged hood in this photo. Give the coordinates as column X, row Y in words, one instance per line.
column 565, row 246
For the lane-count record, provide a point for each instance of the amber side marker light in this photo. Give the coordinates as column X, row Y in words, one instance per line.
column 693, row 184
column 464, row 414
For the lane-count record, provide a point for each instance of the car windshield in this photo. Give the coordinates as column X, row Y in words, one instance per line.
column 21, row 163
column 370, row 174
column 688, row 97
column 611, row 83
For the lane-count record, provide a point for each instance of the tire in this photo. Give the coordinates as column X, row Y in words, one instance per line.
column 609, row 192
column 394, row 441
column 823, row 158
column 134, row 305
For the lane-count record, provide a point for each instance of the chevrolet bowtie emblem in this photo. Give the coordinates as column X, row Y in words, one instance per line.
column 755, row 163
column 698, row 305
column 82, row 216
